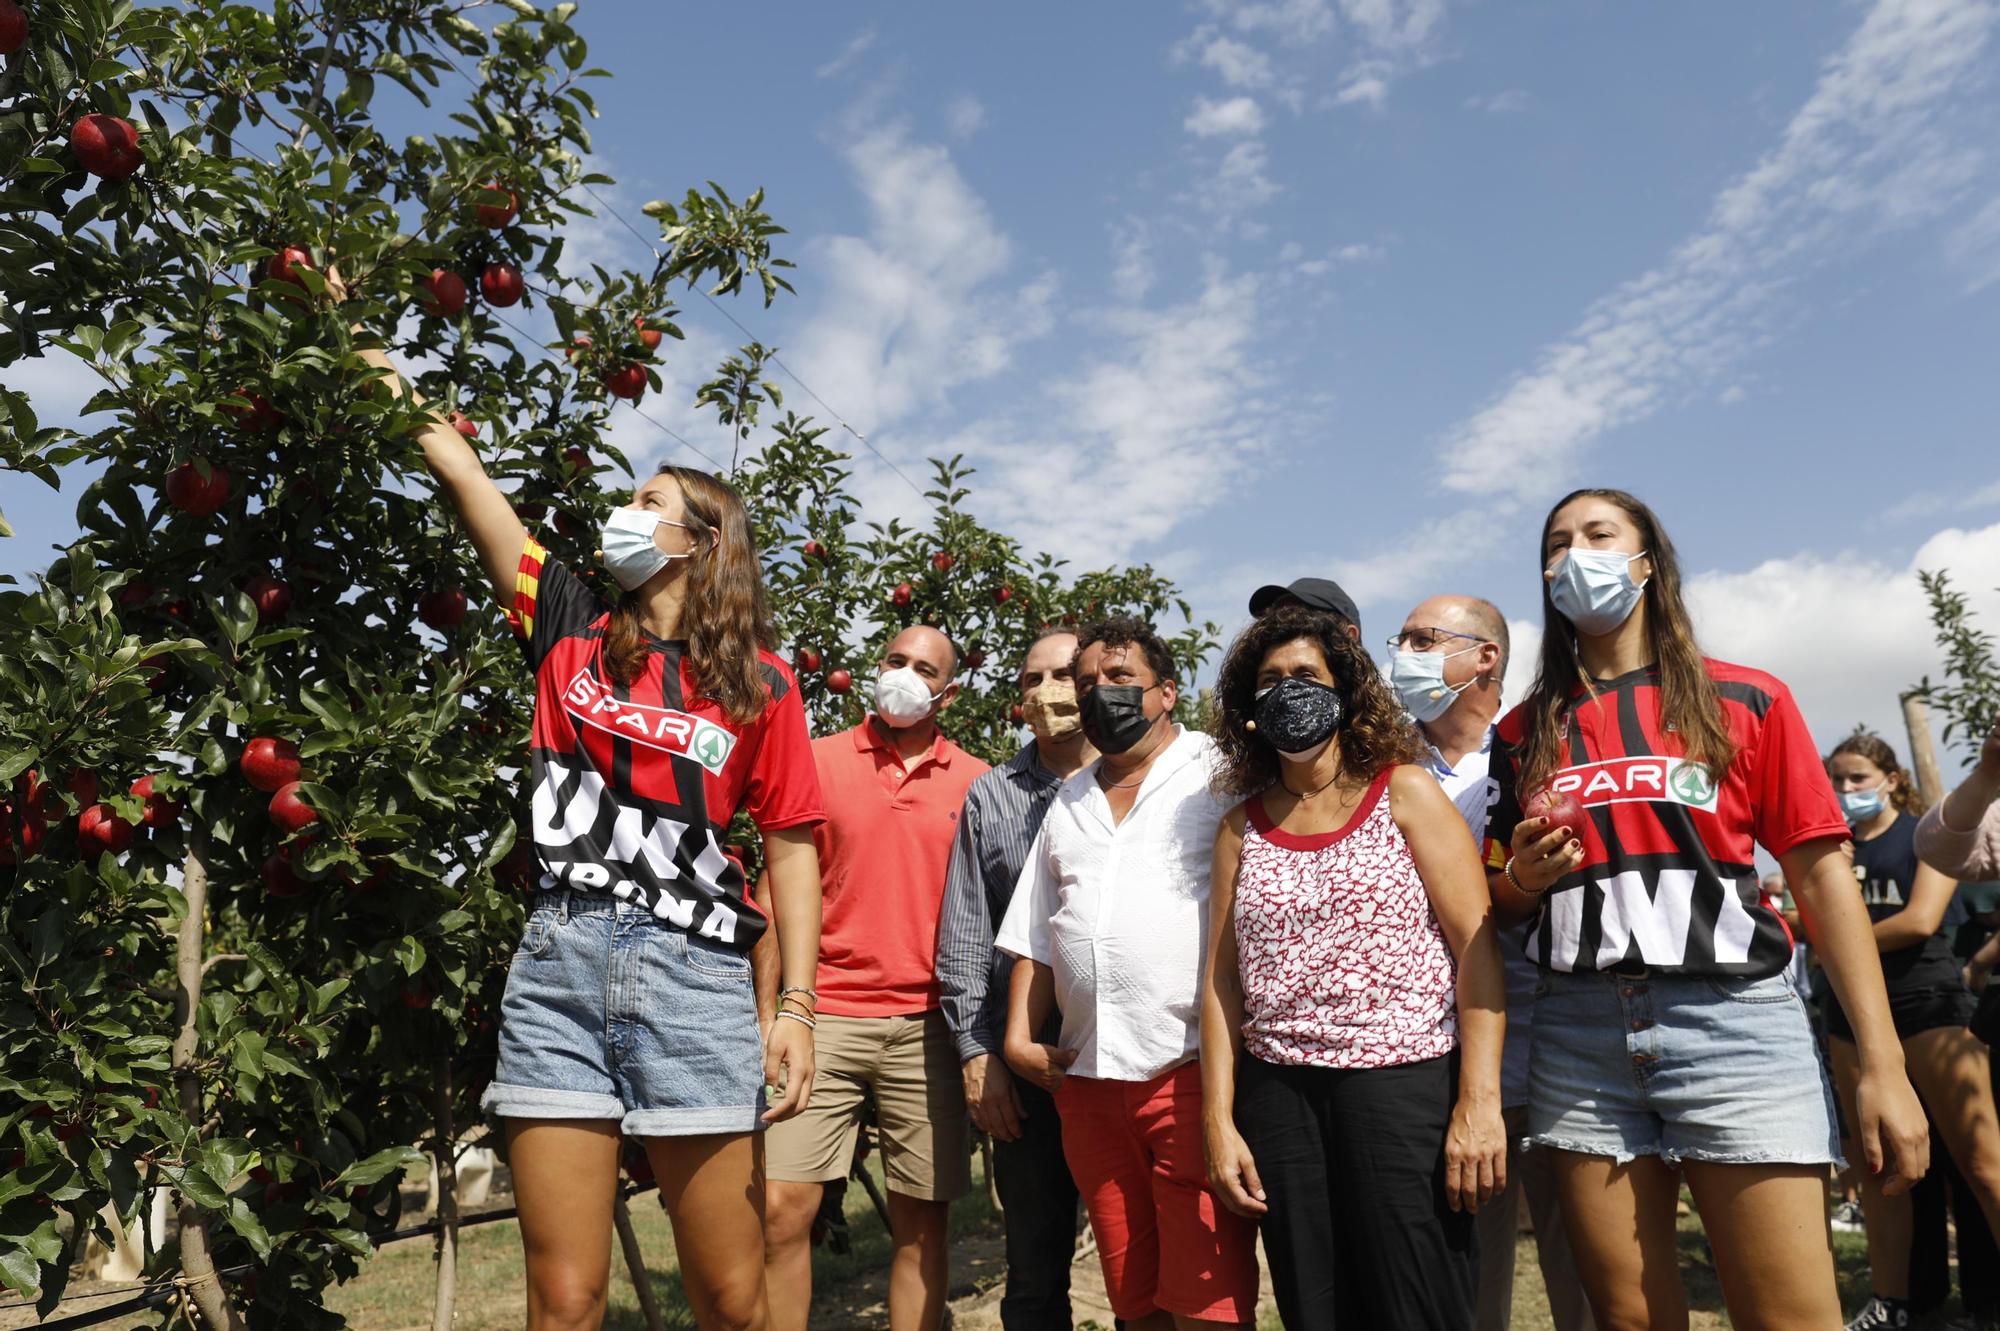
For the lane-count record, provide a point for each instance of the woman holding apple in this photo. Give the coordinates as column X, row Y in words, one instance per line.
column 629, row 1009
column 1668, row 1046
column 1910, row 903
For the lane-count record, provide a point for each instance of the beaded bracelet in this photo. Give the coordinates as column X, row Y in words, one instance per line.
column 1520, row 886
column 799, row 1017
column 791, row 989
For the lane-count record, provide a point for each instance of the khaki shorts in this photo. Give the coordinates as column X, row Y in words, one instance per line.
column 908, row 1066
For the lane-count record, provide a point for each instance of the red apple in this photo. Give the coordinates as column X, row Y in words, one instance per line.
column 1016, row 715
column 187, row 490
column 577, row 459
column 813, row 550
column 464, row 424
column 82, row 783
column 415, row 996
column 839, row 681
column 578, row 345
column 649, row 338
column 269, row 764
column 106, row 146
column 442, row 610
column 160, row 811
column 289, row 811
column 135, row 592
column 272, row 595
column 975, row 659
column 287, row 264
column 1002, row 595
column 903, row 594
column 805, row 659
column 100, row 829
column 627, row 381
column 443, row 293
column 941, row 561
column 497, row 205
column 280, row 878
column 253, row 411
column 1561, row 808
column 501, row 284
column 13, row 27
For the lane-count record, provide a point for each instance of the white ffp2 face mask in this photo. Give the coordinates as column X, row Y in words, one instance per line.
column 630, row 552
column 902, row 698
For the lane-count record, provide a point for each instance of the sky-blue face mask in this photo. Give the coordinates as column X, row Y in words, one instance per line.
column 1594, row 590
column 1861, row 805
column 630, row 553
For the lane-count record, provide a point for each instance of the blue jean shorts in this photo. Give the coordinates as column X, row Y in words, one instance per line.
column 1683, row 1067
column 611, row 1014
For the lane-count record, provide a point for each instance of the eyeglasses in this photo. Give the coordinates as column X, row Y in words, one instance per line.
column 1423, row 639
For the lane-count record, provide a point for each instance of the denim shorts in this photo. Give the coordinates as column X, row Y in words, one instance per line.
column 611, row 1014
column 1682, row 1067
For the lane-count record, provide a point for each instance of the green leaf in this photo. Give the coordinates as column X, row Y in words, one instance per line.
column 373, row 1169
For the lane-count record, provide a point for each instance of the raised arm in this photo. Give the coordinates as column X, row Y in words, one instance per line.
column 497, row 533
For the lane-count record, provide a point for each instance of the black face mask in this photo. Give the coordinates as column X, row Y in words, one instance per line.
column 1114, row 717
column 1298, row 715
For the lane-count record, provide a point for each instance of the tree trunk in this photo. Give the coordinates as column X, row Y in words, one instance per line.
column 197, row 1261
column 444, row 1148
column 1923, row 753
column 635, row 1261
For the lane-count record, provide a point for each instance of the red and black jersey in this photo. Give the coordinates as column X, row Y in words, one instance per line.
column 634, row 788
column 1669, row 879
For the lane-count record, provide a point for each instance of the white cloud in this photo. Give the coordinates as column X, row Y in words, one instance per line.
column 1935, row 503
column 1126, row 449
column 853, row 51
column 1237, row 64
column 1242, row 180
column 1974, row 247
column 1868, row 150
column 1233, row 118
column 1132, row 260
column 1510, row 101
column 1847, row 633
column 920, row 304
column 1291, row 22
column 965, row 116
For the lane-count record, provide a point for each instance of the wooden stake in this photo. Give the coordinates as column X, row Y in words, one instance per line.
column 445, row 1149
column 1923, row 753
column 202, row 1286
column 635, row 1261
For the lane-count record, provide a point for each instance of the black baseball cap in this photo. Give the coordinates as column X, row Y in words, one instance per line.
column 1319, row 593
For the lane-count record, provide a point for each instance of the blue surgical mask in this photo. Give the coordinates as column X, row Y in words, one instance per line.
column 1861, row 805
column 1418, row 678
column 1593, row 589
column 630, row 552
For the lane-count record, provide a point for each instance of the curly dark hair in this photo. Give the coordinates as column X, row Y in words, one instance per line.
column 1373, row 733
column 1130, row 631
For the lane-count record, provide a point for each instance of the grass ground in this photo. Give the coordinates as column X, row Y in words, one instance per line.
column 394, row 1293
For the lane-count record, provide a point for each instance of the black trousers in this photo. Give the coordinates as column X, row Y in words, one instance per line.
column 1040, row 1199
column 1352, row 1162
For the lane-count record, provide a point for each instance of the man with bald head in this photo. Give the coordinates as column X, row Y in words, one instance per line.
column 893, row 787
column 1451, row 656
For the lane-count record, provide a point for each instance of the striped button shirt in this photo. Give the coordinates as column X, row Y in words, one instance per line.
column 1003, row 811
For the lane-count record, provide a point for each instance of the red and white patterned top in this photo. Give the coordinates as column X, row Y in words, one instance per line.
column 1343, row 961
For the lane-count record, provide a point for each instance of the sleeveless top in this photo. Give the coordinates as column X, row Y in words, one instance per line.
column 1343, row 962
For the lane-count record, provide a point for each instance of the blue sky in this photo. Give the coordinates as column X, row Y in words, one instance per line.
column 1355, row 287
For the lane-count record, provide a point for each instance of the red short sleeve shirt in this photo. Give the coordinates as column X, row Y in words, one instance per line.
column 1669, row 879
column 883, row 852
column 633, row 788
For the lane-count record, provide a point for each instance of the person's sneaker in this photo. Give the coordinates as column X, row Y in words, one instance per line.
column 1847, row 1218
column 1881, row 1315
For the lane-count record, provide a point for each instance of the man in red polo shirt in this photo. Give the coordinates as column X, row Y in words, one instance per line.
column 893, row 788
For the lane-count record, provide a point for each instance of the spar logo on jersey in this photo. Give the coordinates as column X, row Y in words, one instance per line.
column 1632, row 780
column 656, row 727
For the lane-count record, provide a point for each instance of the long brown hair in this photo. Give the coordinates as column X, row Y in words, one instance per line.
column 726, row 617
column 1690, row 705
column 1862, row 744
column 1372, row 734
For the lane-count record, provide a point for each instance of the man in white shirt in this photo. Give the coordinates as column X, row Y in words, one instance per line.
column 1108, row 922
column 1451, row 656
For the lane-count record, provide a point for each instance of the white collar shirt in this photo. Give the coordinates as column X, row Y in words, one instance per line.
column 1119, row 912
